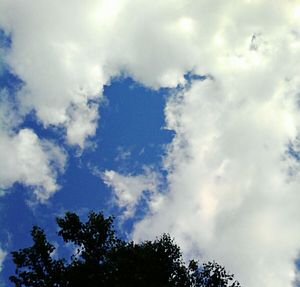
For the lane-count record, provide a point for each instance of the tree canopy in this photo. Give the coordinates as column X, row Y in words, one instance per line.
column 101, row 259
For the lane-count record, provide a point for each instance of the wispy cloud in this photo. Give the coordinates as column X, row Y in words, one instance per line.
column 129, row 190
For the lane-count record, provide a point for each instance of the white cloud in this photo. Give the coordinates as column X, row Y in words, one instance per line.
column 129, row 189
column 232, row 186
column 231, row 195
column 26, row 159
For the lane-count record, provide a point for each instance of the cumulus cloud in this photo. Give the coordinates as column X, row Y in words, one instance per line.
column 26, row 159
column 232, row 195
column 232, row 185
column 129, row 189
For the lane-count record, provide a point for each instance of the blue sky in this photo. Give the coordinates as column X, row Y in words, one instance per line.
column 174, row 116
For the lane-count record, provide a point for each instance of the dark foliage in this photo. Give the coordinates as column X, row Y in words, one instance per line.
column 104, row 260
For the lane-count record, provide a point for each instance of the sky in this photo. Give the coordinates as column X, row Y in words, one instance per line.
column 174, row 116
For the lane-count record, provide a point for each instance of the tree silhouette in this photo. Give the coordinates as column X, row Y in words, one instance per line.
column 103, row 260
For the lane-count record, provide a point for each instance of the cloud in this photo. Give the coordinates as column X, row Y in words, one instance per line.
column 26, row 159
column 231, row 193
column 129, row 189
column 232, row 185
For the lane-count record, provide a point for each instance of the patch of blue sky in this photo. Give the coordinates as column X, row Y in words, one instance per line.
column 293, row 149
column 131, row 132
column 5, row 44
column 9, row 81
column 130, row 135
column 5, row 40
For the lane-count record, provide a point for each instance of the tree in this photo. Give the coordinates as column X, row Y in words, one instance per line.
column 103, row 259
